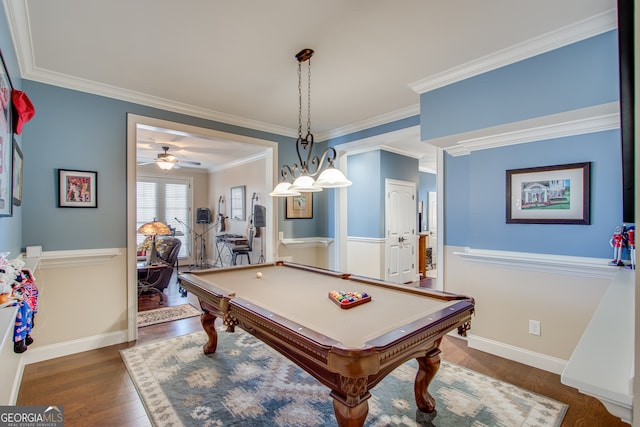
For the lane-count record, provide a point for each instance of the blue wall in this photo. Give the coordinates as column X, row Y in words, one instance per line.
column 76, row 130
column 480, row 193
column 576, row 76
column 366, row 199
column 366, row 206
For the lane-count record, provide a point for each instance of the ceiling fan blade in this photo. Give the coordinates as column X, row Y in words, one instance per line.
column 188, row 162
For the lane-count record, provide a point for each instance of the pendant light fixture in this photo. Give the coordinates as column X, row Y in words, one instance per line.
column 303, row 174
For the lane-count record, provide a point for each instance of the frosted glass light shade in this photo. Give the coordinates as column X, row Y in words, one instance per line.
column 332, row 178
column 305, row 184
column 165, row 165
column 283, row 189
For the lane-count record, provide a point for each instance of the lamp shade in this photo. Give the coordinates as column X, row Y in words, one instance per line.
column 283, row 189
column 304, row 184
column 154, row 228
column 332, row 178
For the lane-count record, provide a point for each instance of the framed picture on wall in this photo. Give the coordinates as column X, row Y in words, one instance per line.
column 237, row 203
column 77, row 189
column 300, row 206
column 6, row 142
column 549, row 194
column 17, row 174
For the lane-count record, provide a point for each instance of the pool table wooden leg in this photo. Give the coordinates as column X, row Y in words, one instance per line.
column 208, row 324
column 350, row 416
column 427, row 368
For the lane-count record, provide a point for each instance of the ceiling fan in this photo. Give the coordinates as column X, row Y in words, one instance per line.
column 168, row 161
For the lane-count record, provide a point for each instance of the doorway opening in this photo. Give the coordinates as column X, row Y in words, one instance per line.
column 268, row 151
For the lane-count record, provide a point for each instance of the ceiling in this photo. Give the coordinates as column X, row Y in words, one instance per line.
column 233, row 61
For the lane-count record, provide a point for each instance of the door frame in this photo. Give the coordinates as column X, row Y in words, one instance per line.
column 133, row 120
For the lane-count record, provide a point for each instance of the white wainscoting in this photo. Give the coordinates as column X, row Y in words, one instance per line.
column 512, row 288
column 73, row 264
column 314, row 251
column 366, row 257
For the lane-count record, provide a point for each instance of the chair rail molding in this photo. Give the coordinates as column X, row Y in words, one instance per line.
column 307, row 242
column 560, row 264
column 73, row 258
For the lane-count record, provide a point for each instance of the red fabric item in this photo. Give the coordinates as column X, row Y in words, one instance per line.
column 23, row 110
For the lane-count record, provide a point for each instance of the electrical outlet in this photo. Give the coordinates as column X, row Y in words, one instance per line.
column 534, row 327
column 280, row 235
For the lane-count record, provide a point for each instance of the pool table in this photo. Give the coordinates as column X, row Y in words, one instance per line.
column 348, row 350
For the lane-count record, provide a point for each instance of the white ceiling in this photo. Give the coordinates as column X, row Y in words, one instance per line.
column 233, row 61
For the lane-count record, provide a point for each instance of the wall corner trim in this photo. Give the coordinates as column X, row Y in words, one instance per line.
column 559, row 264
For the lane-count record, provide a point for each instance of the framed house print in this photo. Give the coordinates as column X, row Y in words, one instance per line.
column 77, row 189
column 6, row 142
column 549, row 194
column 300, row 206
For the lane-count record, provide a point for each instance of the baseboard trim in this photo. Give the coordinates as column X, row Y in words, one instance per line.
column 517, row 354
column 40, row 354
column 17, row 380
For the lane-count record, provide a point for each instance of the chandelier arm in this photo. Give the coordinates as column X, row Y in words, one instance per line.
column 305, row 145
column 287, row 171
column 328, row 155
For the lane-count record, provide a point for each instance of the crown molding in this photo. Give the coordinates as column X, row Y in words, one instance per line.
column 403, row 113
column 578, row 31
column 577, row 122
column 238, row 162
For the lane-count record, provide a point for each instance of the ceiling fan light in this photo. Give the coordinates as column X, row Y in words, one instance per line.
column 332, row 178
column 165, row 165
column 283, row 189
column 305, row 184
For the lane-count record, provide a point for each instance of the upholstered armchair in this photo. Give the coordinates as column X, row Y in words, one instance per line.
column 156, row 278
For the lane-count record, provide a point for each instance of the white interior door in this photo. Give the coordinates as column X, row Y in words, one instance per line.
column 400, row 220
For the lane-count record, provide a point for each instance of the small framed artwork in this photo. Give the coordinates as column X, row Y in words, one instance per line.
column 300, row 206
column 6, row 142
column 17, row 174
column 549, row 194
column 77, row 189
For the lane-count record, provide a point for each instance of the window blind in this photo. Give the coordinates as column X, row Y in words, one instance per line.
column 164, row 200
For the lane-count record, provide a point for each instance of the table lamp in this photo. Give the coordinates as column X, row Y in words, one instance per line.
column 153, row 229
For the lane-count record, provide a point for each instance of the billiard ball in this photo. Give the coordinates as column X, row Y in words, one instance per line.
column 259, row 275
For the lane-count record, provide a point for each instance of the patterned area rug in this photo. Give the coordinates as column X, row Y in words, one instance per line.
column 166, row 314
column 246, row 383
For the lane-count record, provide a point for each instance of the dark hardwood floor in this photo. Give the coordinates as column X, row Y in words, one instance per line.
column 95, row 389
